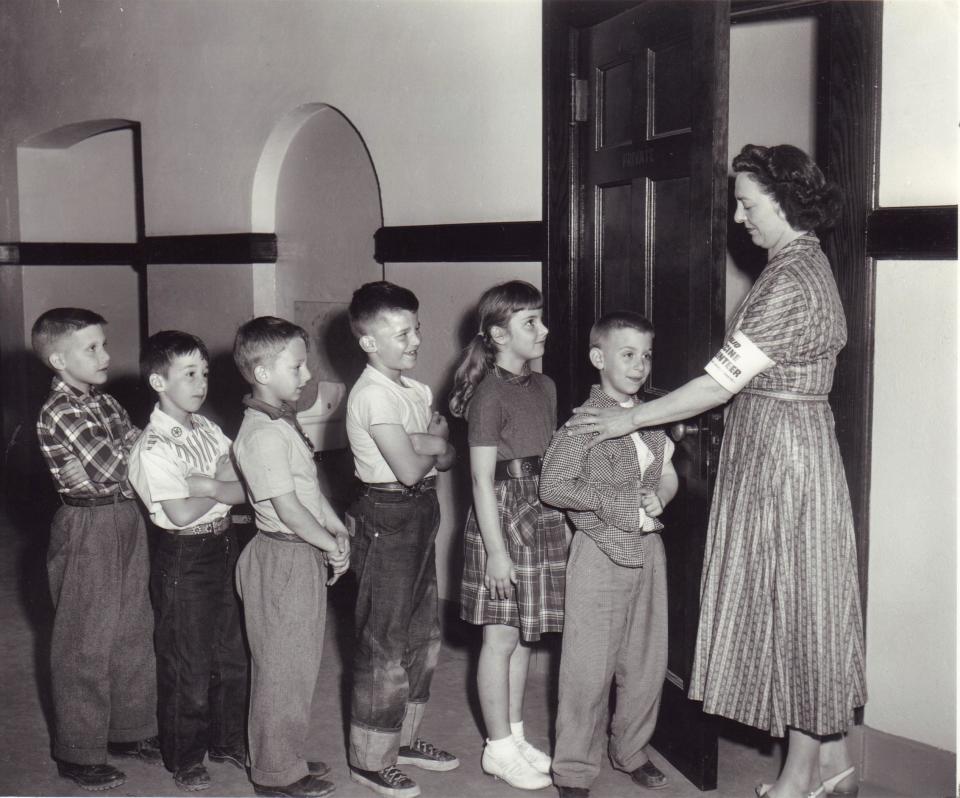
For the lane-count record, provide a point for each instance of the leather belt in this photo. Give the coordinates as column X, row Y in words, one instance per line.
column 207, row 528
column 517, row 469
column 94, row 501
column 427, row 483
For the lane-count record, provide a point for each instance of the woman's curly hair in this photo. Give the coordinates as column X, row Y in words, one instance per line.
column 786, row 173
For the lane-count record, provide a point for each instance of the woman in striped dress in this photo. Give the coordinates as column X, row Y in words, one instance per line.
column 780, row 642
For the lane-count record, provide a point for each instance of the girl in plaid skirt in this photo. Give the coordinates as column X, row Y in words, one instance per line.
column 515, row 549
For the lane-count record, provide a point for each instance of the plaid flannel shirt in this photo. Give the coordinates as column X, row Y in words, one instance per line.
column 600, row 488
column 92, row 428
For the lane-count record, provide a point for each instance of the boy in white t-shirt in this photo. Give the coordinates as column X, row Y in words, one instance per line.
column 180, row 466
column 398, row 446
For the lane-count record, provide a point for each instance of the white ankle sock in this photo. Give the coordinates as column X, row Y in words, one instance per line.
column 516, row 730
column 502, row 747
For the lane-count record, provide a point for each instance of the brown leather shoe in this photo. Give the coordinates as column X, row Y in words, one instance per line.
column 92, row 777
column 650, row 776
column 193, row 778
column 573, row 792
column 318, row 768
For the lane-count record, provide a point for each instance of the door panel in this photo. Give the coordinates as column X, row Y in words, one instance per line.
column 654, row 218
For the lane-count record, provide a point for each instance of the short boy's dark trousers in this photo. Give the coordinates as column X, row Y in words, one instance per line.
column 102, row 667
column 397, row 627
column 201, row 659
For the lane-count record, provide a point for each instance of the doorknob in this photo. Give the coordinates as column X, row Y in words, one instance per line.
column 680, row 430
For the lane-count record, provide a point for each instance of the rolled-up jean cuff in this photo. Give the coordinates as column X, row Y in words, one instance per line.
column 411, row 721
column 373, row 749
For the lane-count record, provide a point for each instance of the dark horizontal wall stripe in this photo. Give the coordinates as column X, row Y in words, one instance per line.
column 222, row 248
column 58, row 254
column 199, row 249
column 493, row 241
column 921, row 233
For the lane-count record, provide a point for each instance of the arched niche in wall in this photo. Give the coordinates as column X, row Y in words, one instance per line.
column 79, row 183
column 316, row 187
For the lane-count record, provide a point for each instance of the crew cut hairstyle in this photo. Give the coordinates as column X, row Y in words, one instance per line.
column 808, row 200
column 618, row 320
column 372, row 299
column 55, row 323
column 162, row 348
column 260, row 340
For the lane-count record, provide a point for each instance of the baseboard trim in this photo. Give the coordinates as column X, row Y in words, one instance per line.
column 903, row 765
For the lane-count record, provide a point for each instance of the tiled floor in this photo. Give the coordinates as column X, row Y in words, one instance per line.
column 452, row 719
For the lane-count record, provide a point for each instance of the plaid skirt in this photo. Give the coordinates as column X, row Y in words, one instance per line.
column 536, row 539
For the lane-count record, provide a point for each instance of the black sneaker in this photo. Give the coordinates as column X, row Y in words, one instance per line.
column 307, row 787
column 236, row 756
column 193, row 778
column 426, row 756
column 92, row 777
column 389, row 782
column 147, row 750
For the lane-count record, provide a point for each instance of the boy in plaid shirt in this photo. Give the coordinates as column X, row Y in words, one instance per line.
column 616, row 592
column 103, row 673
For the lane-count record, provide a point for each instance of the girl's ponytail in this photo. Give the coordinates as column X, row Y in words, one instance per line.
column 496, row 306
column 476, row 361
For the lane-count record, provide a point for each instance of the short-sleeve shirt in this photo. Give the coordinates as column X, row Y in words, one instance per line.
column 274, row 460
column 376, row 399
column 166, row 454
column 517, row 413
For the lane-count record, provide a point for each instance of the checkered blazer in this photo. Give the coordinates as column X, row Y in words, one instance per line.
column 600, row 488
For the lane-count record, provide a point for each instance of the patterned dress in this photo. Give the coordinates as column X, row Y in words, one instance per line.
column 780, row 640
column 517, row 414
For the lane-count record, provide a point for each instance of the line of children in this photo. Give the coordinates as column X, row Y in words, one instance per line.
column 515, row 554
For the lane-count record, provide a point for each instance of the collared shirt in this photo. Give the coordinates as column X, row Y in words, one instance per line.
column 601, row 487
column 166, row 454
column 274, row 459
column 93, row 428
column 376, row 399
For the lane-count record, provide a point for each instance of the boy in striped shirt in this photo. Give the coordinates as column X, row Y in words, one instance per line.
column 181, row 469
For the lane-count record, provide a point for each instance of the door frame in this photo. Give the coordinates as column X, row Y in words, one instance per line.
column 847, row 140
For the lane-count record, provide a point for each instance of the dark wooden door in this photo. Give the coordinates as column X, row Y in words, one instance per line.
column 650, row 106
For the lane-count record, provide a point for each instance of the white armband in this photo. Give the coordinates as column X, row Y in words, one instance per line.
column 738, row 361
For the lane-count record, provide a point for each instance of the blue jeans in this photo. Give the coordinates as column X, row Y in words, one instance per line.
column 201, row 660
column 397, row 627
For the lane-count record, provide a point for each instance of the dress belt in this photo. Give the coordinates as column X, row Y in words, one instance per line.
column 517, row 469
column 94, row 501
column 788, row 396
column 214, row 527
column 427, row 483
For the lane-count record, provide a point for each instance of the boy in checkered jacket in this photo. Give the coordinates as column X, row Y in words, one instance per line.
column 616, row 597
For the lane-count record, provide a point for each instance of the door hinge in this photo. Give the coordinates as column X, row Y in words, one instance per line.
column 579, row 100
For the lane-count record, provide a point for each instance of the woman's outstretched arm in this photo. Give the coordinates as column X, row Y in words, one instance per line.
column 697, row 396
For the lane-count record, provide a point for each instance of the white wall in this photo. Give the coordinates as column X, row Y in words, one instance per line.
column 911, row 613
column 769, row 106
